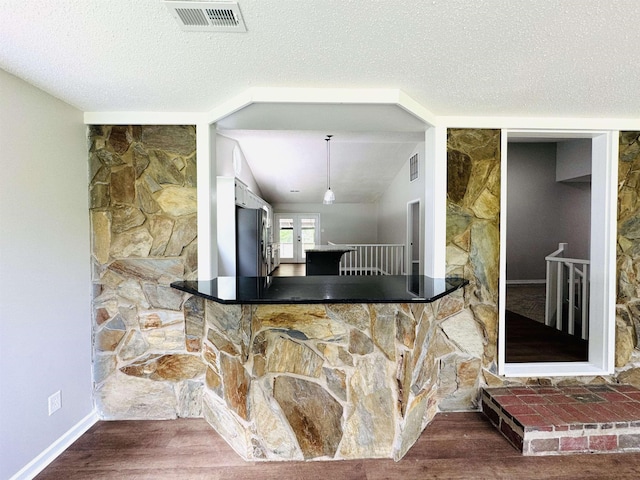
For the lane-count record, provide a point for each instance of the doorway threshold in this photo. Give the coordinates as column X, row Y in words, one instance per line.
column 556, row 369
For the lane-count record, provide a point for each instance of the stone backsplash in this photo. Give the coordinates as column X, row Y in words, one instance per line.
column 143, row 231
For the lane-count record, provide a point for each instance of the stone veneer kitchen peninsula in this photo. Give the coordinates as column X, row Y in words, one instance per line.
column 322, row 368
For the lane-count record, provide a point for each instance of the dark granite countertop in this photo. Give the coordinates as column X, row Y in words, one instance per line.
column 322, row 289
column 330, row 249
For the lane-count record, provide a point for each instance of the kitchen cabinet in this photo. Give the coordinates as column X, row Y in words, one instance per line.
column 269, row 222
column 276, row 255
column 242, row 193
column 324, row 259
column 269, row 216
column 246, row 198
column 231, row 192
column 253, row 201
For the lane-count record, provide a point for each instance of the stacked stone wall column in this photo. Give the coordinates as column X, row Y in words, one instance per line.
column 147, row 336
column 472, row 252
column 628, row 260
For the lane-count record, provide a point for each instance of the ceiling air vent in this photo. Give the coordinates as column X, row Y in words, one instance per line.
column 207, row 16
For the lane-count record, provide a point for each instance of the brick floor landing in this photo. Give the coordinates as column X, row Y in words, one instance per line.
column 566, row 420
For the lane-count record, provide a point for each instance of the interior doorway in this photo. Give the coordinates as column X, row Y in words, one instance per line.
column 413, row 238
column 536, row 220
column 548, row 204
column 295, row 233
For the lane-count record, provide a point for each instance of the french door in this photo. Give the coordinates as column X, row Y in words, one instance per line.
column 296, row 232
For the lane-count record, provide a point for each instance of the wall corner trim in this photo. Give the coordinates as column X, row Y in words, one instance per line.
column 48, row 455
column 143, row 118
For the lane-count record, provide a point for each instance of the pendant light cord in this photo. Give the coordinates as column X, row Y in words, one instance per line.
column 328, row 139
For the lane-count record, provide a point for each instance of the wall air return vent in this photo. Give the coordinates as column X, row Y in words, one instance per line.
column 413, row 168
column 207, row 16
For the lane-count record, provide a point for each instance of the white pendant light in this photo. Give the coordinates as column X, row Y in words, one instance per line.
column 329, row 196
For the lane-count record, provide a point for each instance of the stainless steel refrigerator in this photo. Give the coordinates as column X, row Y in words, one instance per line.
column 251, row 242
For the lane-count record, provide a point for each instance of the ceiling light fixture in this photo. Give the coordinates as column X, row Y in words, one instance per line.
column 329, row 196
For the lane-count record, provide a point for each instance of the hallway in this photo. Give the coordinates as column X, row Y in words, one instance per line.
column 528, row 339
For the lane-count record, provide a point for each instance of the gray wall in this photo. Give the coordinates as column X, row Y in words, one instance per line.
column 573, row 160
column 45, row 311
column 542, row 212
column 382, row 222
column 392, row 206
column 341, row 222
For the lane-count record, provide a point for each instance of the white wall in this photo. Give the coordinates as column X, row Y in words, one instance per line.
column 392, row 206
column 224, row 163
column 45, row 325
column 542, row 212
column 341, row 222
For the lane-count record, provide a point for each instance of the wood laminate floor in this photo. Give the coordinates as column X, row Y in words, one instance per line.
column 531, row 341
column 290, row 270
column 454, row 446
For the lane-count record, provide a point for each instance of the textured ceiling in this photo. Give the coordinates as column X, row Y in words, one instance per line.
column 560, row 58
column 455, row 57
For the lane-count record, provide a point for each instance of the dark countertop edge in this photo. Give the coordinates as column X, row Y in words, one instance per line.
column 295, row 301
column 329, row 249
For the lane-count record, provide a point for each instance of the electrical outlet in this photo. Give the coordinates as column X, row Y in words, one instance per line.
column 55, row 402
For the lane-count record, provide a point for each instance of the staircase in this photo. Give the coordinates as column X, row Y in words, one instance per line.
column 373, row 259
column 567, row 298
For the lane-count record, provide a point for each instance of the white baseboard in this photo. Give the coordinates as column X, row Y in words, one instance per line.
column 35, row 466
column 525, row 282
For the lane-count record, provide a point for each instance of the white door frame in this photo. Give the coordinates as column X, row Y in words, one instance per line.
column 297, row 244
column 411, row 248
column 604, row 177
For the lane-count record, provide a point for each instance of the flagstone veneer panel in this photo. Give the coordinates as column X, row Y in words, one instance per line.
column 143, row 236
column 321, row 382
column 313, row 414
column 473, row 250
